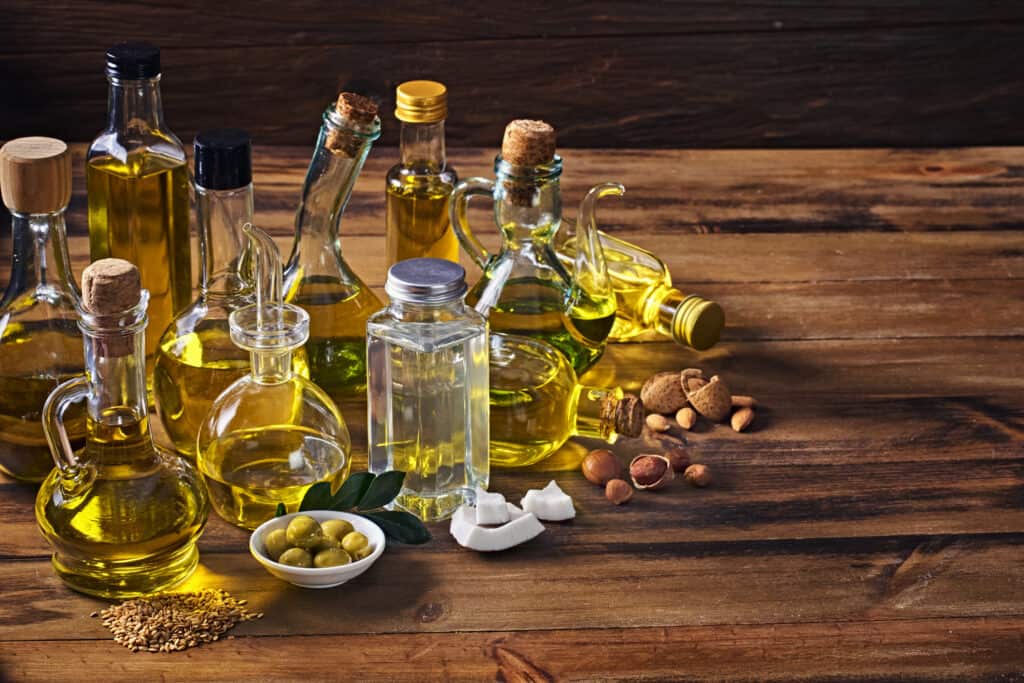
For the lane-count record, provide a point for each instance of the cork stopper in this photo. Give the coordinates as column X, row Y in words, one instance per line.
column 357, row 112
column 626, row 414
column 528, row 143
column 35, row 175
column 110, row 286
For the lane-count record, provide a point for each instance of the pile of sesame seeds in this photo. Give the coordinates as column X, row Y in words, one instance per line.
column 174, row 621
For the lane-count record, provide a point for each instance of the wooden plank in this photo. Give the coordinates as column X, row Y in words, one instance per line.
column 927, row 84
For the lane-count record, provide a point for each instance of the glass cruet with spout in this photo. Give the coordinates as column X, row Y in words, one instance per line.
column 273, row 433
column 317, row 278
column 40, row 345
column 122, row 515
column 525, row 289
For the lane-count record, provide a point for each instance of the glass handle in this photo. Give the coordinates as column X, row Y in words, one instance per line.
column 457, row 205
column 57, row 402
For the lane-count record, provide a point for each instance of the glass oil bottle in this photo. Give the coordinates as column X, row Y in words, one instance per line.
column 271, row 434
column 40, row 345
column 537, row 403
column 646, row 300
column 123, row 516
column 525, row 289
column 419, row 186
column 317, row 277
column 428, row 378
column 137, row 180
column 197, row 360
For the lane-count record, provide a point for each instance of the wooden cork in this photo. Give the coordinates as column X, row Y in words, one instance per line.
column 528, row 143
column 110, row 286
column 35, row 175
column 357, row 112
column 625, row 414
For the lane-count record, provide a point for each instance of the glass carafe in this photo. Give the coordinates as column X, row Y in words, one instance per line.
column 317, row 277
column 122, row 515
column 40, row 345
column 525, row 289
column 272, row 434
column 537, row 403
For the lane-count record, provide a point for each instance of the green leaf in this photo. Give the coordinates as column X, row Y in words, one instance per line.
column 400, row 526
column 351, row 491
column 281, row 510
column 382, row 490
column 318, row 497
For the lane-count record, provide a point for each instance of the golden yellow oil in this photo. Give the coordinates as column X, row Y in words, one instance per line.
column 191, row 372
column 24, row 453
column 248, row 472
column 139, row 211
column 128, row 525
column 639, row 291
column 417, row 219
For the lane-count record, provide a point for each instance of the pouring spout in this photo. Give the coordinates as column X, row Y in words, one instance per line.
column 591, row 270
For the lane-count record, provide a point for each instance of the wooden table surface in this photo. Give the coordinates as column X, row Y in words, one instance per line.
column 870, row 526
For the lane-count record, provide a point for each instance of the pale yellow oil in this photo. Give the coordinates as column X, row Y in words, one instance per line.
column 24, row 387
column 139, row 211
column 128, row 524
column 639, row 292
column 248, row 472
column 417, row 219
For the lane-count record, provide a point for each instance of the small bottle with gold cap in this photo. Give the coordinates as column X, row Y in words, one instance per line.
column 419, row 186
column 40, row 345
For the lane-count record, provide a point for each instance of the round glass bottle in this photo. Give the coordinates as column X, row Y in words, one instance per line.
column 271, row 434
column 122, row 515
column 40, row 345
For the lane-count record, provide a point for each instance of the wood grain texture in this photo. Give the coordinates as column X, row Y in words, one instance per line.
column 868, row 527
column 697, row 74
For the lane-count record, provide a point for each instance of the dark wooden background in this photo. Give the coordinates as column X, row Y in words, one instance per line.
column 689, row 73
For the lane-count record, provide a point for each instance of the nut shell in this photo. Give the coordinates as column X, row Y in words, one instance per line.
column 698, row 475
column 678, row 458
column 618, row 491
column 601, row 466
column 650, row 471
column 663, row 393
column 712, row 400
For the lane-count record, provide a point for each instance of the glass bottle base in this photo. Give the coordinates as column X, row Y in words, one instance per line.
column 434, row 508
column 127, row 579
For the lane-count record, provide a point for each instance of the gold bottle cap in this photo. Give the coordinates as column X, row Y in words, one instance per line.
column 35, row 175
column 421, row 102
column 698, row 323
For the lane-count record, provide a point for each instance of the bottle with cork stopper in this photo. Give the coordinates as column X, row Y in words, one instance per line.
column 525, row 289
column 317, row 277
column 40, row 345
column 417, row 188
column 123, row 516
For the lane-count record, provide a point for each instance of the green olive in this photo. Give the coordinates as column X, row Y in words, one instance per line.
column 327, row 541
column 332, row 557
column 296, row 557
column 336, row 528
column 275, row 543
column 304, row 532
column 354, row 542
column 363, row 552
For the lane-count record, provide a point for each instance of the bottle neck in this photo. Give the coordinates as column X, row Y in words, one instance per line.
column 40, row 258
column 412, row 312
column 134, row 103
column 422, row 146
column 271, row 366
column 226, row 265
column 528, row 201
column 595, row 412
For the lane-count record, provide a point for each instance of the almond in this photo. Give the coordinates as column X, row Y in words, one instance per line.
column 686, row 417
column 713, row 400
column 663, row 393
column 658, row 423
column 742, row 418
column 743, row 401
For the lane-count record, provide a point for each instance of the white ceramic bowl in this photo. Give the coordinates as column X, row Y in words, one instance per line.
column 325, row 577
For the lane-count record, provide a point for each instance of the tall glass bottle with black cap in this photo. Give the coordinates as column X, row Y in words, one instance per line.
column 196, row 359
column 137, row 181
column 427, row 388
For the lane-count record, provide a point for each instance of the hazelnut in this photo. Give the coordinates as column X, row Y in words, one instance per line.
column 601, row 466
column 657, row 423
column 650, row 471
column 743, row 401
column 698, row 475
column 686, row 417
column 742, row 418
column 618, row 491
column 678, row 458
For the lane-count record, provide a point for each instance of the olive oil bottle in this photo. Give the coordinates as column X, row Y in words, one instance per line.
column 317, row 277
column 137, row 182
column 418, row 188
column 123, row 516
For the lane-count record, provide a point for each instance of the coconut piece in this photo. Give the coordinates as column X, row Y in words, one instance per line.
column 550, row 503
column 490, row 508
column 521, row 527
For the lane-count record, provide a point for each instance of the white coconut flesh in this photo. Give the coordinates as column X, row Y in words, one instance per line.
column 550, row 503
column 521, row 527
column 490, row 508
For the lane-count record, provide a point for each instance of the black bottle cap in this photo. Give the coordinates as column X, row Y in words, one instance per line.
column 223, row 158
column 133, row 60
